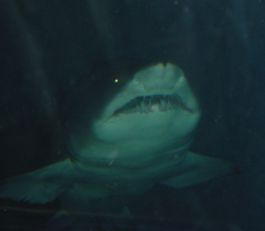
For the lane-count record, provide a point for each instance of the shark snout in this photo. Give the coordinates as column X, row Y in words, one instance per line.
column 162, row 76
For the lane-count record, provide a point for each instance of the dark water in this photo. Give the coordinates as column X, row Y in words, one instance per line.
column 54, row 52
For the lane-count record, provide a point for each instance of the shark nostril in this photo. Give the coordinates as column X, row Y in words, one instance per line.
column 161, row 65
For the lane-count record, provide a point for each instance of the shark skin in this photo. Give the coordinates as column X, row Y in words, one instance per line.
column 141, row 138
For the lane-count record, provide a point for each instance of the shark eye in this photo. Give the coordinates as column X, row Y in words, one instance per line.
column 116, row 80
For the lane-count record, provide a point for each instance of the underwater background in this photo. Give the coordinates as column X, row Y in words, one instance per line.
column 53, row 53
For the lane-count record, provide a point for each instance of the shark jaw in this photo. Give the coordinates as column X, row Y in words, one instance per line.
column 156, row 104
column 152, row 103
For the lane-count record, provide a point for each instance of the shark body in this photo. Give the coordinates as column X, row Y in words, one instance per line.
column 141, row 138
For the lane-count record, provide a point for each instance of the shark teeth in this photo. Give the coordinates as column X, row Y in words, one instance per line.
column 147, row 104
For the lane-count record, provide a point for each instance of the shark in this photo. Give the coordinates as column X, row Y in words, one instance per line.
column 141, row 138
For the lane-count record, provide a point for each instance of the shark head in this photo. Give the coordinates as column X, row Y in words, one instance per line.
column 156, row 108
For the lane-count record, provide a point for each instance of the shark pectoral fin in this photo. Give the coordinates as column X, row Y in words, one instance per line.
column 198, row 168
column 39, row 186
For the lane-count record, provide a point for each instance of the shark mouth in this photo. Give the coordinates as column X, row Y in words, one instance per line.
column 151, row 103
